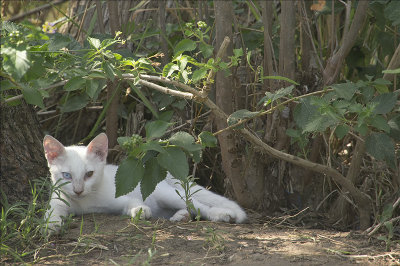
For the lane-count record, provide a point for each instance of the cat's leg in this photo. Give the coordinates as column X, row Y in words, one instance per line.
column 136, row 206
column 220, row 209
column 53, row 216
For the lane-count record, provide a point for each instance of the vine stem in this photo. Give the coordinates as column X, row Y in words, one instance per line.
column 271, row 110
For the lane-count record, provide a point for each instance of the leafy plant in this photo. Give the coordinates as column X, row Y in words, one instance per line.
column 22, row 224
column 149, row 159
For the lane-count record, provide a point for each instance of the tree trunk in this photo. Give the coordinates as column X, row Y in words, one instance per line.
column 231, row 163
column 22, row 158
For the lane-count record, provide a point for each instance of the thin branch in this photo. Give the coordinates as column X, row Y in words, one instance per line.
column 40, row 8
column 373, row 229
column 303, row 8
column 271, row 110
column 168, row 81
column 61, row 83
column 185, row 95
column 221, row 52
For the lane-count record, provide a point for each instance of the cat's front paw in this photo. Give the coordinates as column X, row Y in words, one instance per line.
column 143, row 210
column 180, row 216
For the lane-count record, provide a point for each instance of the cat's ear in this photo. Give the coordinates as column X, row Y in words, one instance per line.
column 99, row 146
column 52, row 148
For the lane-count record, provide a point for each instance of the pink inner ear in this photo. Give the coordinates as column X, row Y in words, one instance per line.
column 52, row 148
column 99, row 146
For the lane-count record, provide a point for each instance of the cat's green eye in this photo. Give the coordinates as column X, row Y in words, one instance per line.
column 88, row 174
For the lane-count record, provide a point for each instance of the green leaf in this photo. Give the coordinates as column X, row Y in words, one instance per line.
column 207, row 139
column 384, row 103
column 361, row 128
column 309, row 118
column 130, row 172
column 387, row 212
column 153, row 174
column 182, row 61
column 341, row 131
column 75, row 103
column 175, row 161
column 199, row 74
column 32, row 95
column 145, row 101
column 392, row 11
column 185, row 45
column 169, row 69
column 345, row 90
column 392, row 71
column 305, row 112
column 152, row 146
column 381, row 146
column 280, row 78
column 319, row 124
column 97, row 75
column 109, row 69
column 94, row 42
column 155, row 129
column 380, row 123
column 185, row 141
column 394, row 124
column 74, row 83
column 293, row 133
column 58, row 41
column 122, row 140
column 92, row 87
column 206, row 50
column 271, row 97
column 238, row 52
column 17, row 63
column 239, row 115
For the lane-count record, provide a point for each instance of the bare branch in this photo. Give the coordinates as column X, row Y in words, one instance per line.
column 185, row 95
column 335, row 62
column 40, row 8
column 61, row 83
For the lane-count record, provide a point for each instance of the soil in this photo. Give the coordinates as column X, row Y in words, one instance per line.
column 118, row 240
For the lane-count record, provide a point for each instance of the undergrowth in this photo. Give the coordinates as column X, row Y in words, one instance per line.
column 22, row 223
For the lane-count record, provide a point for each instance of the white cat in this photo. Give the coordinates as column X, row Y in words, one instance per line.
column 89, row 186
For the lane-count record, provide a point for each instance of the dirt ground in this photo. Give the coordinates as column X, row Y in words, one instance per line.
column 117, row 240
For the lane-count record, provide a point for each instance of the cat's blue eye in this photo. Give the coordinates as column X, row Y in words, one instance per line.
column 66, row 175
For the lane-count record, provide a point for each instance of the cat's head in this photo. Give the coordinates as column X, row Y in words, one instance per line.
column 81, row 167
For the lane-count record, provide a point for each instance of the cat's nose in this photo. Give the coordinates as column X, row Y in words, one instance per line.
column 78, row 192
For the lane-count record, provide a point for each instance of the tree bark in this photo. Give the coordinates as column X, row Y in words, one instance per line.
column 231, row 163
column 22, row 158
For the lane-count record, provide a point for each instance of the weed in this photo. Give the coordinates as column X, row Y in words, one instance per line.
column 214, row 240
column 21, row 223
column 187, row 185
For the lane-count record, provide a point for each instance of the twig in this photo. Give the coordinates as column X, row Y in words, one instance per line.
column 373, row 229
column 292, row 216
column 271, row 110
column 303, row 8
column 167, row 81
column 40, row 8
column 61, row 83
column 185, row 95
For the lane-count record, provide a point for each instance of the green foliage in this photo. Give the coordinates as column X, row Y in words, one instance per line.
column 21, row 224
column 149, row 158
column 352, row 107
